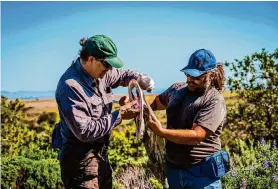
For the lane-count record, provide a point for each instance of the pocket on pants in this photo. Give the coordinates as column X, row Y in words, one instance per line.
column 89, row 167
column 79, row 173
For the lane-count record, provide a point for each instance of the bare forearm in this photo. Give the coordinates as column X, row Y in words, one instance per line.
column 156, row 104
column 180, row 136
column 153, row 105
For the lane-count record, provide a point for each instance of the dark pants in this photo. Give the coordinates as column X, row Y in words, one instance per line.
column 89, row 172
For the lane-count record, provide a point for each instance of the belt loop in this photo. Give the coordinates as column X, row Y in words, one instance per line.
column 103, row 151
column 90, row 151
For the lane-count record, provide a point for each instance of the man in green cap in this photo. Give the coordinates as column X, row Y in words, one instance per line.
column 84, row 98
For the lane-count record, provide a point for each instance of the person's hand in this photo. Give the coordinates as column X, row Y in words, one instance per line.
column 128, row 111
column 146, row 83
column 154, row 124
column 123, row 100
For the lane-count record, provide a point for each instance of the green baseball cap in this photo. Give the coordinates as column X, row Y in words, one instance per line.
column 101, row 46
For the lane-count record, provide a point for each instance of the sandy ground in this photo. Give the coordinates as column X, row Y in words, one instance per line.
column 34, row 107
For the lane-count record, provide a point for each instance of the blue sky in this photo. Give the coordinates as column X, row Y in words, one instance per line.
column 40, row 39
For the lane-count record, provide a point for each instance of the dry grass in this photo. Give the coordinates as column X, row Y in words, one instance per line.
column 229, row 94
column 33, row 108
column 134, row 177
column 230, row 97
column 36, row 107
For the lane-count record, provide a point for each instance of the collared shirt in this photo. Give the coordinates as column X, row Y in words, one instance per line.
column 184, row 108
column 85, row 104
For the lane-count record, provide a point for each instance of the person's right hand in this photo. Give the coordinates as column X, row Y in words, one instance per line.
column 128, row 111
column 124, row 100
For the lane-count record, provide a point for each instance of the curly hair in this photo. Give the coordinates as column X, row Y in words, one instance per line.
column 84, row 55
column 217, row 77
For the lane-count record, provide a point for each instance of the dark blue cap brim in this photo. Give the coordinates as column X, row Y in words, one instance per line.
column 193, row 72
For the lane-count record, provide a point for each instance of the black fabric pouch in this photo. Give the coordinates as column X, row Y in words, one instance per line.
column 57, row 140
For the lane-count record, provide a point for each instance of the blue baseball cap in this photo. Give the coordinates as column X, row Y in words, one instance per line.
column 199, row 63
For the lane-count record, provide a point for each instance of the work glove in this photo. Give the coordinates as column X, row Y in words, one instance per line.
column 146, row 82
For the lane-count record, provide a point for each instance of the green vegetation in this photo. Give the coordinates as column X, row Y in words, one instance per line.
column 253, row 114
column 255, row 167
column 28, row 161
column 21, row 172
column 124, row 142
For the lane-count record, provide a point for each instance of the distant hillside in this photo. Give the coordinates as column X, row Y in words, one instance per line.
column 124, row 90
column 28, row 94
column 51, row 94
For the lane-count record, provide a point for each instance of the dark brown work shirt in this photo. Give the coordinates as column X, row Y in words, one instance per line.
column 184, row 108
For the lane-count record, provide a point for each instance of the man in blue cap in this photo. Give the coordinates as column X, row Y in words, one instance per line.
column 84, row 98
column 195, row 115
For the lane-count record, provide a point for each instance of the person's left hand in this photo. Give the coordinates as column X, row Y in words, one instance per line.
column 125, row 99
column 146, row 83
column 154, row 124
column 128, row 111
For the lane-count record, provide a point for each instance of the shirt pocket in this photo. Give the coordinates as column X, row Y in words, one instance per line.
column 108, row 100
column 96, row 106
column 109, row 94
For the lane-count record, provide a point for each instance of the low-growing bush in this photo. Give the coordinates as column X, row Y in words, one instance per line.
column 135, row 177
column 126, row 149
column 21, row 172
column 50, row 117
column 255, row 167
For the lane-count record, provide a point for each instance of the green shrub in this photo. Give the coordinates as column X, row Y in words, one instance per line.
column 255, row 167
column 37, row 153
column 126, row 149
column 15, row 133
column 155, row 183
column 28, row 161
column 21, row 172
column 49, row 117
column 254, row 114
column 20, row 138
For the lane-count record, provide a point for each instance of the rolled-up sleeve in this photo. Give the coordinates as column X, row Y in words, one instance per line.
column 75, row 111
column 120, row 77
